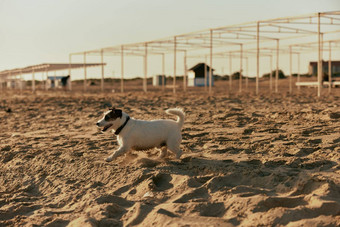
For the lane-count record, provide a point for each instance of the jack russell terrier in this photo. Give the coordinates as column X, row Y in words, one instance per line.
column 133, row 134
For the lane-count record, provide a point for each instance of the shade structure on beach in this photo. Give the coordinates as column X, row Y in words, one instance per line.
column 44, row 68
column 269, row 38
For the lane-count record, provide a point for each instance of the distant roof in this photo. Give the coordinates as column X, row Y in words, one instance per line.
column 314, row 63
column 199, row 65
column 55, row 77
column 47, row 67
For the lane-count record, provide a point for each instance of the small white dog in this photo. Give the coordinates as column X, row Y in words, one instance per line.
column 138, row 135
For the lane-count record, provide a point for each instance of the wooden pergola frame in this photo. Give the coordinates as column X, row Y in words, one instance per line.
column 222, row 41
column 44, row 68
column 258, row 38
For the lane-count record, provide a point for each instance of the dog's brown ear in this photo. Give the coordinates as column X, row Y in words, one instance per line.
column 118, row 113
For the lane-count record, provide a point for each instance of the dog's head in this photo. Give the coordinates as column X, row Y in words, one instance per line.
column 111, row 118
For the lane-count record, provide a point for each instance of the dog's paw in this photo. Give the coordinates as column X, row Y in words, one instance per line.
column 109, row 159
column 162, row 155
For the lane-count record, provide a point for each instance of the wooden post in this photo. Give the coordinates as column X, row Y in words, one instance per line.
column 319, row 59
column 145, row 88
column 174, row 81
column 211, row 61
column 163, row 71
column 42, row 78
column 1, row 81
column 257, row 56
column 55, row 80
column 102, row 70
column 298, row 75
column 33, row 80
column 277, row 67
column 205, row 73
column 10, row 77
column 330, row 68
column 185, row 72
column 247, row 68
column 69, row 72
column 241, row 68
column 122, row 69
column 231, row 72
column 290, row 70
column 85, row 73
column 270, row 74
column 21, row 81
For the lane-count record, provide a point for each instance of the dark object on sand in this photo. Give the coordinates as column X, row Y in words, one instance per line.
column 64, row 80
column 6, row 109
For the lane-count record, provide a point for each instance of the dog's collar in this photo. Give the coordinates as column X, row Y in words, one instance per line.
column 122, row 126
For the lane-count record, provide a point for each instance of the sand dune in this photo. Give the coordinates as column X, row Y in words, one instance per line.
column 249, row 161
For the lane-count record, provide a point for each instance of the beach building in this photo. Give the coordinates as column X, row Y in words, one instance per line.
column 197, row 73
column 313, row 68
column 158, row 80
column 15, row 83
column 54, row 81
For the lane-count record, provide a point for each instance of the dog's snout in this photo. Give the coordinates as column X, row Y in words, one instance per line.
column 97, row 123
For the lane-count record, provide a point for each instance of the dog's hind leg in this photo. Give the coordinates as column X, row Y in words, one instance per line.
column 173, row 144
column 176, row 150
column 117, row 153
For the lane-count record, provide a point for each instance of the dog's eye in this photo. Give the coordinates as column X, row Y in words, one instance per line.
column 107, row 118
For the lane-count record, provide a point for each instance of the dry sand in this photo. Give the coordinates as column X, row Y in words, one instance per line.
column 249, row 161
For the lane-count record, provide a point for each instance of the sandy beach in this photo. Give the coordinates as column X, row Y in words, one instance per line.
column 267, row 160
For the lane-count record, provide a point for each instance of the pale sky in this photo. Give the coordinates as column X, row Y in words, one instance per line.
column 42, row 31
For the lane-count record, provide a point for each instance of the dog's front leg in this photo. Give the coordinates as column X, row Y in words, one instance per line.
column 117, row 153
column 164, row 152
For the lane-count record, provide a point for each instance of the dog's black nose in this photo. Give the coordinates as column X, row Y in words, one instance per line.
column 97, row 124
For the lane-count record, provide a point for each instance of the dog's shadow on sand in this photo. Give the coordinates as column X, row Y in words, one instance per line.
column 163, row 181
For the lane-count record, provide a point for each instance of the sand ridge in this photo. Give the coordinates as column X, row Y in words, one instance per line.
column 249, row 161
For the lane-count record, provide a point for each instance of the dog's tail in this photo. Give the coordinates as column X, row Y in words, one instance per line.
column 180, row 115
